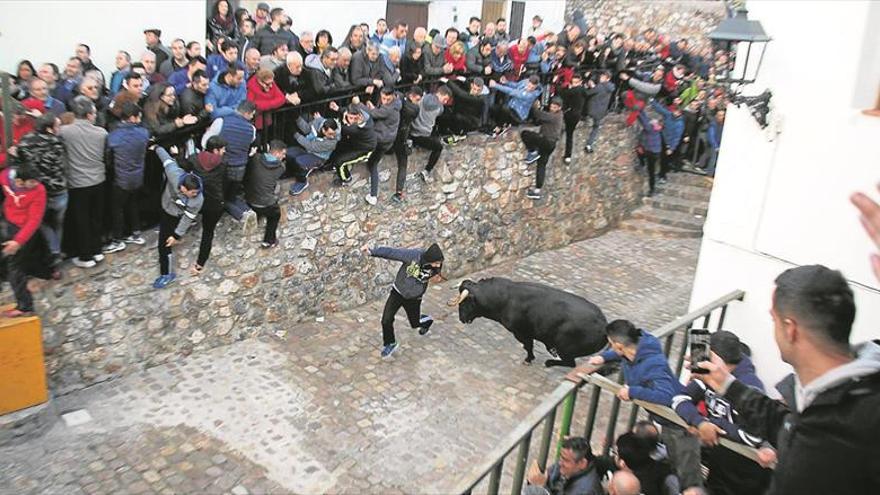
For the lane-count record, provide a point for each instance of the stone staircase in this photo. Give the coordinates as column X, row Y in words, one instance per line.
column 677, row 209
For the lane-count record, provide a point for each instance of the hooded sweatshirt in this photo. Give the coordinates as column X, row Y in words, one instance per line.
column 261, row 182
column 211, row 168
column 412, row 278
column 386, row 119
column 174, row 202
column 314, row 143
column 429, row 109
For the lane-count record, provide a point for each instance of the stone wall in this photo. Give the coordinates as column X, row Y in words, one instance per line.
column 692, row 19
column 108, row 321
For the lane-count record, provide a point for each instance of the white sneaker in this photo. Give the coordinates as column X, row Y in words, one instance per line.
column 567, row 160
column 98, row 257
column 113, row 247
column 135, row 239
column 249, row 221
column 426, row 176
column 371, row 200
column 84, row 264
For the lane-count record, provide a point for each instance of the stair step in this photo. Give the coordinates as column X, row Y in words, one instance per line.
column 670, row 203
column 689, row 179
column 670, row 218
column 682, row 191
column 654, row 229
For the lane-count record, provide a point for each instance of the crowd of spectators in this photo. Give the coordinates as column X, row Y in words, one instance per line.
column 94, row 140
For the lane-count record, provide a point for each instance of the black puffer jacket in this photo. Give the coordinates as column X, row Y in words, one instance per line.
column 833, row 445
column 47, row 154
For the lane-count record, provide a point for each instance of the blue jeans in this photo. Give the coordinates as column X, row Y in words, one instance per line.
column 53, row 221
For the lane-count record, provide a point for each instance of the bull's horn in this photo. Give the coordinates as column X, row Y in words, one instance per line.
column 455, row 301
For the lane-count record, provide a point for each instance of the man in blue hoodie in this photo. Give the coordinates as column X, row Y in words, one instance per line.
column 417, row 268
column 648, row 377
column 729, row 472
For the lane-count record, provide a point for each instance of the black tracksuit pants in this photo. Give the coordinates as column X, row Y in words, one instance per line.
column 432, row 144
column 544, row 146
column 571, row 121
column 413, row 308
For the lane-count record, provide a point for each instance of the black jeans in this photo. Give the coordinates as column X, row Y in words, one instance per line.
column 431, row 143
column 504, row 115
column 669, row 163
column 272, row 214
column 125, row 211
column 16, row 272
column 651, row 162
column 87, row 209
column 167, row 224
column 413, row 308
column 401, row 153
column 571, row 121
column 544, row 146
column 373, row 165
column 210, row 217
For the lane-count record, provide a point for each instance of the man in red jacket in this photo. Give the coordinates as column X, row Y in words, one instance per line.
column 23, row 208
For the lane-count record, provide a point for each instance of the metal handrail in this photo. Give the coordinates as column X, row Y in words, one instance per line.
column 567, row 392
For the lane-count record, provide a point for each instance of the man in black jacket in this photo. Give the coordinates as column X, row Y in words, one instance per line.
column 271, row 35
column 319, row 75
column 574, row 97
column 600, row 98
column 827, row 430
column 210, row 167
column 540, row 145
column 357, row 142
column 192, row 100
column 468, row 112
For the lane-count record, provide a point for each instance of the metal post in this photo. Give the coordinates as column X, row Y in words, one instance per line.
column 495, row 478
column 721, row 319
column 546, row 438
column 612, row 420
column 521, row 458
column 8, row 110
column 633, row 417
column 567, row 413
column 591, row 412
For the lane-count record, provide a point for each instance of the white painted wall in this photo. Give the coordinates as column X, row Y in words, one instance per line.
column 335, row 16
column 443, row 14
column 552, row 11
column 49, row 30
column 785, row 203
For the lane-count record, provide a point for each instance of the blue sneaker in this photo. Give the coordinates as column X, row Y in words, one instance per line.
column 164, row 280
column 425, row 323
column 298, row 187
column 389, row 349
column 532, row 157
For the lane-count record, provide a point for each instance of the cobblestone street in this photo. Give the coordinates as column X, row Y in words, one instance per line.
column 317, row 410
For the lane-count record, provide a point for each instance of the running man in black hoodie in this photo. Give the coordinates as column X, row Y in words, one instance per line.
column 211, row 168
column 418, row 267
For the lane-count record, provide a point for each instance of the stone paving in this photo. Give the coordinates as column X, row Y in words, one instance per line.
column 318, row 410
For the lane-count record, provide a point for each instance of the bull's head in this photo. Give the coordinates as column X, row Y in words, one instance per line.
column 466, row 300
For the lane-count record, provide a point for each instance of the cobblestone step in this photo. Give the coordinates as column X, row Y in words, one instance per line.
column 670, row 218
column 670, row 203
column 689, row 179
column 683, row 191
column 654, row 229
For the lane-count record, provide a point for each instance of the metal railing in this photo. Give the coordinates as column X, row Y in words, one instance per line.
column 565, row 396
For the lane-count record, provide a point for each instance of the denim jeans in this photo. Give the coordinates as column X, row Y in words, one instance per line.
column 53, row 221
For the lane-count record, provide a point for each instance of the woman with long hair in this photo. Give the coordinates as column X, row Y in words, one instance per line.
column 162, row 111
column 323, row 40
column 354, row 40
column 22, row 79
column 222, row 23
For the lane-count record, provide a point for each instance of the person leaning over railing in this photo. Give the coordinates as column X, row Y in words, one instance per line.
column 648, row 378
column 317, row 139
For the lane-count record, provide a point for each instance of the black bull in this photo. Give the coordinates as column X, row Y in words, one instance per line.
column 566, row 324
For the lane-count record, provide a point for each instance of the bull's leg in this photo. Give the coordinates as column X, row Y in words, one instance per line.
column 528, row 345
column 565, row 361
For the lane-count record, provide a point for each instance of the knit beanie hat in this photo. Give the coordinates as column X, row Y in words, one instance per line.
column 432, row 254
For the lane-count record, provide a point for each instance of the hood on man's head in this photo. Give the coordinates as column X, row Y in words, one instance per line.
column 431, row 255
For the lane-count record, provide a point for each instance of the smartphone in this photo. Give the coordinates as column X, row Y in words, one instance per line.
column 699, row 349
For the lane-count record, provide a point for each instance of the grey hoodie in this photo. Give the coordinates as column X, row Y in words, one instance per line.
column 386, row 119
column 429, row 109
column 174, row 202
column 867, row 362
